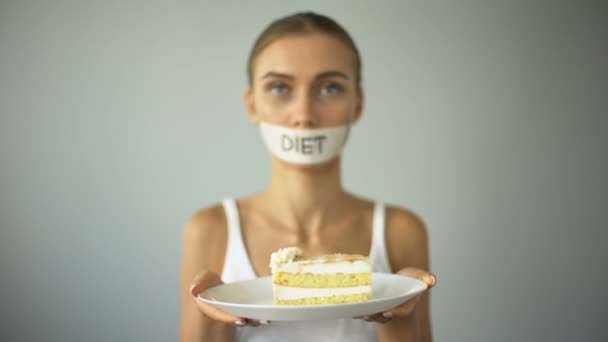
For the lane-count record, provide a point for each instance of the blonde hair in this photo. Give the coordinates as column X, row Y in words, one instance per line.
column 302, row 23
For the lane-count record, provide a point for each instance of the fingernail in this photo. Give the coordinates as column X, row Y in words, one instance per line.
column 388, row 314
column 433, row 280
column 264, row 321
column 239, row 322
column 192, row 288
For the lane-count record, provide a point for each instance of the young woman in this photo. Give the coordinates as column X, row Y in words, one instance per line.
column 304, row 93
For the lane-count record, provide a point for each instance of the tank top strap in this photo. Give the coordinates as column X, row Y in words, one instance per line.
column 237, row 265
column 378, row 252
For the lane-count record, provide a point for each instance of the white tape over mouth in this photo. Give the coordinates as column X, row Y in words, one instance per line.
column 304, row 146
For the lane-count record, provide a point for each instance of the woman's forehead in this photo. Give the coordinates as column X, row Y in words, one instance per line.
column 305, row 55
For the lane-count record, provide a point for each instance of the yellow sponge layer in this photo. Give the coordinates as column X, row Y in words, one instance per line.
column 358, row 297
column 310, row 280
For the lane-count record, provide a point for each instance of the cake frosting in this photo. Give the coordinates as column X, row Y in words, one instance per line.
column 283, row 256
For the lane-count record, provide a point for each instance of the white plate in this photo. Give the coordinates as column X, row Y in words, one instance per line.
column 253, row 299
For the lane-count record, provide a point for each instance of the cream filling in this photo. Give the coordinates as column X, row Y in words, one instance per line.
column 287, row 292
column 344, row 267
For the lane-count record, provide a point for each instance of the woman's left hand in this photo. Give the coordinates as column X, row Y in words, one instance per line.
column 405, row 309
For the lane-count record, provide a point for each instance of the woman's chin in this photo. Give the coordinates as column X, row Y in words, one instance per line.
column 308, row 167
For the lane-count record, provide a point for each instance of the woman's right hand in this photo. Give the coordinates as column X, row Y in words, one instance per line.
column 205, row 280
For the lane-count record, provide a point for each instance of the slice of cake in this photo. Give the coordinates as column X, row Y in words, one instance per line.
column 324, row 279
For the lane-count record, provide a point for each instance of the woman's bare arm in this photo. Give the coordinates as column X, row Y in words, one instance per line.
column 204, row 247
column 407, row 246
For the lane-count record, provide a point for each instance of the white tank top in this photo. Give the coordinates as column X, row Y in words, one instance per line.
column 238, row 266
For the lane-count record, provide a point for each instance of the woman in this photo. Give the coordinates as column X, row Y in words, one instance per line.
column 305, row 93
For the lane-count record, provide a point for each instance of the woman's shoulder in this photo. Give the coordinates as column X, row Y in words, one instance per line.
column 205, row 219
column 398, row 218
column 206, row 226
column 404, row 220
column 204, row 238
column 407, row 238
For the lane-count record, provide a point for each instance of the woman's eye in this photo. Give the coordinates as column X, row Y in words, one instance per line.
column 331, row 88
column 278, row 88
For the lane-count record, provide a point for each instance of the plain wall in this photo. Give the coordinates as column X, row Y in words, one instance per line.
column 119, row 119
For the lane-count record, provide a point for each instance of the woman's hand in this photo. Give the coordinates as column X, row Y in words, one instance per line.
column 205, row 280
column 405, row 309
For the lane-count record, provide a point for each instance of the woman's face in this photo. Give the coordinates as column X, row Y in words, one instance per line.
column 304, row 81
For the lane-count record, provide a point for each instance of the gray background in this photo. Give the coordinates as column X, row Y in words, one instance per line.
column 120, row 119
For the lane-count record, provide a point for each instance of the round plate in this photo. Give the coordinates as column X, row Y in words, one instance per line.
column 253, row 299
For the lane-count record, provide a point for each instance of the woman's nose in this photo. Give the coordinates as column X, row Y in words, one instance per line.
column 303, row 114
